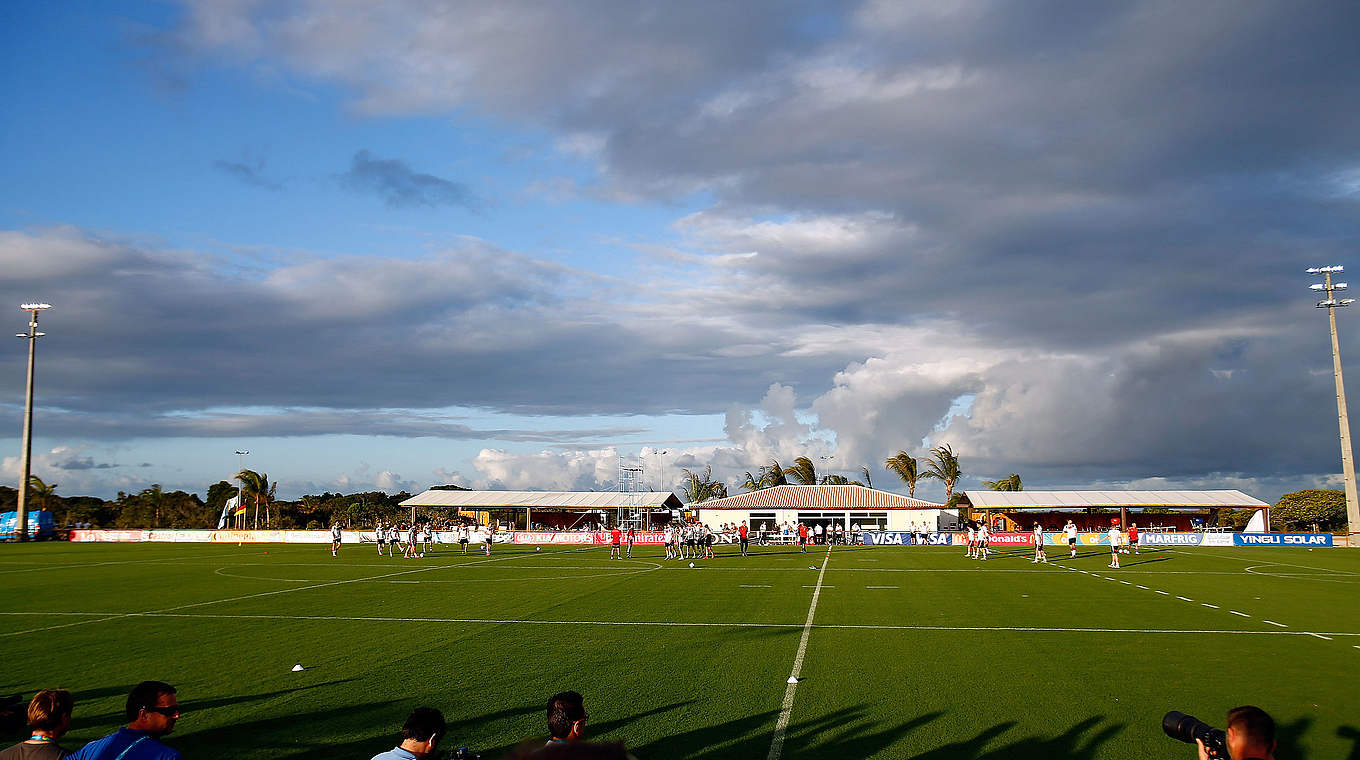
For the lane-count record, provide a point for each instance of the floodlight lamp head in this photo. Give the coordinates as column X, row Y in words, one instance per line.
column 1338, row 286
column 1317, row 286
column 35, row 306
column 1342, row 302
column 1337, row 268
column 1313, row 270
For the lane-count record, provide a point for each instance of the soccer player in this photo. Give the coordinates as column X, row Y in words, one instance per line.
column 984, row 535
column 1039, row 554
column 335, row 539
column 1133, row 539
column 632, row 536
column 1070, row 530
column 1115, row 541
column 666, row 539
column 411, row 539
column 490, row 536
column 972, row 541
column 464, row 533
column 742, row 539
column 380, row 535
column 802, row 537
column 614, row 536
column 709, row 539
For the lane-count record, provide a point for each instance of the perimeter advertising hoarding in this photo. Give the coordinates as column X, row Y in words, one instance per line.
column 1282, row 539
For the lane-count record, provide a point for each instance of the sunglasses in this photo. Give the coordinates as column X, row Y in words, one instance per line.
column 168, row 712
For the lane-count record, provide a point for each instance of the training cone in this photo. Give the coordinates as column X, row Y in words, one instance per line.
column 297, row 668
column 793, row 679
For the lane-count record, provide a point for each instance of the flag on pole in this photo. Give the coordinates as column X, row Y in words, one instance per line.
column 232, row 507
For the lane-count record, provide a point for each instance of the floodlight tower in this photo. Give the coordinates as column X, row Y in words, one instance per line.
column 32, row 335
column 630, row 475
column 1331, row 303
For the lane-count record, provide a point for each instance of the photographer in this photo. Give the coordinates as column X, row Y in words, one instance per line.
column 1250, row 735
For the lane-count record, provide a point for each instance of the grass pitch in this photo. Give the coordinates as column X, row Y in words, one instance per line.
column 913, row 652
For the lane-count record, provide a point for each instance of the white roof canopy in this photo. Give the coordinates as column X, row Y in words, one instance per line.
column 1083, row 499
column 544, row 499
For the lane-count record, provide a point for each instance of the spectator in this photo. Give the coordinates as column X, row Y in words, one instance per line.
column 1251, row 735
column 566, row 718
column 420, row 736
column 49, row 716
column 152, row 710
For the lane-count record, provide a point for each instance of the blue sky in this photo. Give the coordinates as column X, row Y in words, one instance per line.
column 514, row 246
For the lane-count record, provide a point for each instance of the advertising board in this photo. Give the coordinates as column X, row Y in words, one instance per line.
column 1282, row 539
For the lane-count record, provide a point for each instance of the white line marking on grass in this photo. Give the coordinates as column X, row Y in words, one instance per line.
column 1163, row 593
column 754, row 586
column 403, row 581
column 1126, row 583
column 254, row 596
column 786, row 708
column 1145, row 588
column 1242, row 614
column 1320, row 636
column 126, row 562
column 1210, row 606
column 825, row 587
column 1185, row 599
column 674, row 624
column 1272, row 622
column 880, row 587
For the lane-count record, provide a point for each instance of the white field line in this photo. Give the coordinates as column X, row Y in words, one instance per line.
column 754, row 585
column 128, row 562
column 1210, row 606
column 1272, row 622
column 1259, row 563
column 1185, row 599
column 880, row 587
column 699, row 624
column 786, row 708
column 260, row 594
column 1239, row 614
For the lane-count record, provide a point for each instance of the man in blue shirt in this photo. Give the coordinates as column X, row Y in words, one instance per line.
column 152, row 710
column 420, row 736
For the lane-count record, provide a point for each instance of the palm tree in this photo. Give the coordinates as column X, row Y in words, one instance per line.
column 41, row 491
column 803, row 471
column 699, row 488
column 943, row 465
column 868, row 481
column 772, row 475
column 752, row 483
column 255, row 488
column 156, row 498
column 905, row 466
column 1009, row 483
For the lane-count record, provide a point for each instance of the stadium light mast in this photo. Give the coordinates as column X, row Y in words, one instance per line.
column 1331, row 303
column 241, row 482
column 32, row 335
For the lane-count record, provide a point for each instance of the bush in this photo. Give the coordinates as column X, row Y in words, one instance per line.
column 1300, row 509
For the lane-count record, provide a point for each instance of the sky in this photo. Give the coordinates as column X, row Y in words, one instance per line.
column 521, row 245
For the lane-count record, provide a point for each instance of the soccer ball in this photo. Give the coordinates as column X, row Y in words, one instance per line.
column 691, row 564
column 538, row 548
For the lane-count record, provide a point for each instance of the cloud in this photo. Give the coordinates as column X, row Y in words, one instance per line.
column 251, row 174
column 400, row 187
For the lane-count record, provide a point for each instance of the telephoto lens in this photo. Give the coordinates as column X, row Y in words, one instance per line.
column 1188, row 728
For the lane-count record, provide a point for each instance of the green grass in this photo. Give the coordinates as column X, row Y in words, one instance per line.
column 962, row 659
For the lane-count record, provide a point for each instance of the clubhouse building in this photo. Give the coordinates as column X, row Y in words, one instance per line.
column 849, row 505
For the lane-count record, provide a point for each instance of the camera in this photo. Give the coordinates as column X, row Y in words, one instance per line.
column 1188, row 728
column 463, row 753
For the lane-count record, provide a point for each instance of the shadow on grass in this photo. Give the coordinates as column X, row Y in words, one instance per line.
column 189, row 706
column 1129, row 562
column 1352, row 733
column 307, row 736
